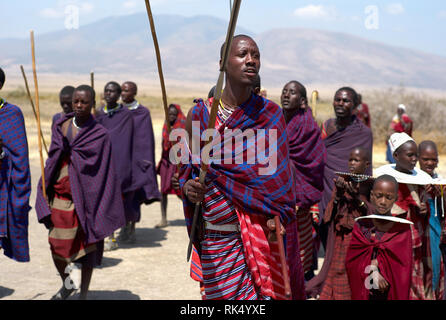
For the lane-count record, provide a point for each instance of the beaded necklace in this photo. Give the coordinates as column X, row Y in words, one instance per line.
column 2, row 103
column 225, row 113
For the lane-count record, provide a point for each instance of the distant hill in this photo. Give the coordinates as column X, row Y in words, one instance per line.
column 190, row 52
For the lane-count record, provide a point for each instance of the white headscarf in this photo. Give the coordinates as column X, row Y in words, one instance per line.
column 398, row 139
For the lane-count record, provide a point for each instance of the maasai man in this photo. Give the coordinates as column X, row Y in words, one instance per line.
column 66, row 103
column 144, row 182
column 362, row 112
column 428, row 158
column 84, row 203
column 308, row 155
column 401, row 122
column 119, row 123
column 239, row 258
column 349, row 201
column 411, row 205
column 166, row 169
column 379, row 258
column 15, row 181
column 340, row 136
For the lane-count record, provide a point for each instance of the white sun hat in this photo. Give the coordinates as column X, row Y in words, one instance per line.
column 398, row 139
column 402, row 106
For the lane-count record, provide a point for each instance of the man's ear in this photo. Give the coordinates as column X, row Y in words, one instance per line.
column 219, row 63
column 367, row 163
column 303, row 103
column 257, row 90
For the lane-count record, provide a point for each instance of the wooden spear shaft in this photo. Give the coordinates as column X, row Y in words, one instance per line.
column 32, row 105
column 314, row 96
column 93, row 110
column 158, row 61
column 42, row 165
column 213, row 113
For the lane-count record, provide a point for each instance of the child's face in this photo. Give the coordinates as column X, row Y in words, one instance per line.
column 357, row 162
column 406, row 156
column 428, row 160
column 383, row 196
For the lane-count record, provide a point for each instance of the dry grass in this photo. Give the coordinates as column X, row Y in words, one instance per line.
column 427, row 112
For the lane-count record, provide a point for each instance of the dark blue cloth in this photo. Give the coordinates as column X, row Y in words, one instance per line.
column 15, row 185
column 435, row 236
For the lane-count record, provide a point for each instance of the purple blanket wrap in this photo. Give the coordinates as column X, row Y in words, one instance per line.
column 94, row 183
column 308, row 155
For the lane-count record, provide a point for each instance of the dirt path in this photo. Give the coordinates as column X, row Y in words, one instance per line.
column 153, row 268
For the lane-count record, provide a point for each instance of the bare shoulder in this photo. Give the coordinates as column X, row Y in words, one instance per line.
column 65, row 127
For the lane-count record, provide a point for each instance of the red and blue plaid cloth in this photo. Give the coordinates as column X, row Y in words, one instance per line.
column 259, row 197
column 15, row 185
column 241, row 183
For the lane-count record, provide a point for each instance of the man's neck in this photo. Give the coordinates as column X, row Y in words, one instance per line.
column 112, row 105
column 131, row 105
column 80, row 122
column 344, row 122
column 289, row 114
column 235, row 95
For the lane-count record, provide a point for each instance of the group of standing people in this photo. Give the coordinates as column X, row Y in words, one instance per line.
column 381, row 233
column 100, row 170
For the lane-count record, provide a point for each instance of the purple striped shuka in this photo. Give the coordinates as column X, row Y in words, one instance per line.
column 94, row 183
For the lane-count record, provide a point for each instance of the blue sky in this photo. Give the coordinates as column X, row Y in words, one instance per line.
column 405, row 23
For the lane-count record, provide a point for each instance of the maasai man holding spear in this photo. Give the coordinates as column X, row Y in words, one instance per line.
column 15, row 181
column 238, row 253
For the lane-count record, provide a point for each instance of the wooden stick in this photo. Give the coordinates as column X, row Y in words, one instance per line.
column 213, row 113
column 42, row 166
column 314, row 96
column 158, row 61
column 283, row 262
column 32, row 105
column 93, row 110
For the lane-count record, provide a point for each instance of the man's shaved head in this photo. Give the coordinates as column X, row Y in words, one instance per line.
column 385, row 178
column 67, row 90
column 131, row 86
column 234, row 39
column 427, row 144
column 365, row 154
column 300, row 87
column 115, row 84
column 88, row 89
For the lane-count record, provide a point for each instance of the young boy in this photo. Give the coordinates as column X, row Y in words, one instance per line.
column 120, row 126
column 428, row 157
column 411, row 205
column 83, row 204
column 143, row 161
column 66, row 103
column 349, row 201
column 379, row 257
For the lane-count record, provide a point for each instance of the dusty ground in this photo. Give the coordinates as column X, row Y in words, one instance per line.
column 154, row 268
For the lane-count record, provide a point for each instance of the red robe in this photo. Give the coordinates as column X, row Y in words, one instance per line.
column 394, row 255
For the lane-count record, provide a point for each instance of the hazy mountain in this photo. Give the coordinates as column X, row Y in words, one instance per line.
column 190, row 52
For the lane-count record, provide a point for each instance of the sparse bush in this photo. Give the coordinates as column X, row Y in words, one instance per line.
column 427, row 113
